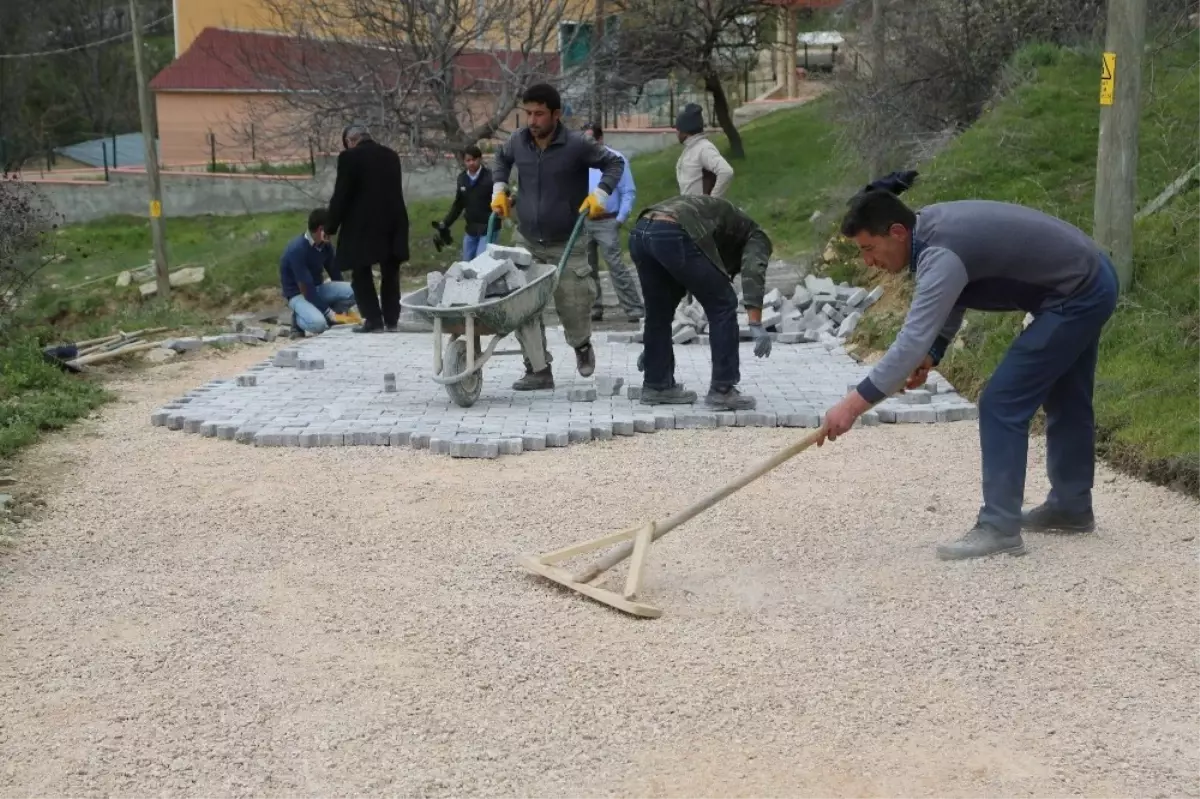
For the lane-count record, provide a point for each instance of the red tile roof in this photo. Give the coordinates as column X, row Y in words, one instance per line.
column 221, row 60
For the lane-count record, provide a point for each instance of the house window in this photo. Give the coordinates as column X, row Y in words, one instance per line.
column 574, row 42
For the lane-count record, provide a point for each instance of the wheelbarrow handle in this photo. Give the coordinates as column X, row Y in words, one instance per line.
column 562, row 262
column 493, row 227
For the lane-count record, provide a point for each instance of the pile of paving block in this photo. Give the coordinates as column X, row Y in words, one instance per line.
column 497, row 272
column 818, row 311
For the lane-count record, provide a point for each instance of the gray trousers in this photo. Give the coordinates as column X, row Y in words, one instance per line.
column 572, row 300
column 604, row 239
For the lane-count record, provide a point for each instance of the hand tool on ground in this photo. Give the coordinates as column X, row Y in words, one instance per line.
column 635, row 543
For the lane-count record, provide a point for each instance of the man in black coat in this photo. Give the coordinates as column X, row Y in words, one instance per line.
column 472, row 200
column 368, row 210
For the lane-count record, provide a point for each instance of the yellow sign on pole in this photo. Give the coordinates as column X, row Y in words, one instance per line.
column 1108, row 78
column 155, row 209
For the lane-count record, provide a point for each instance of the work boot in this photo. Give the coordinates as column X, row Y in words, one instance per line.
column 597, row 316
column 729, row 399
column 369, row 327
column 535, row 381
column 1045, row 519
column 585, row 359
column 392, row 328
column 979, row 542
column 675, row 395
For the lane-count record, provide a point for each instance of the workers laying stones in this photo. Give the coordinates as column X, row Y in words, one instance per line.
column 995, row 256
column 698, row 244
column 553, row 165
column 302, row 268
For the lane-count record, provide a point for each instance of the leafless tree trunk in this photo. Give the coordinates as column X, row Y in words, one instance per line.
column 708, row 41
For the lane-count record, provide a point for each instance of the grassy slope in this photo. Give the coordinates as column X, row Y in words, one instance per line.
column 1038, row 147
column 790, row 171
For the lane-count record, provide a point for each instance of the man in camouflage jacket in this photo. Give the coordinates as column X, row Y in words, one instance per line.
column 698, row 244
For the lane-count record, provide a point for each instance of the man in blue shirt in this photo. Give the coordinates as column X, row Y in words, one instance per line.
column 302, row 276
column 604, row 238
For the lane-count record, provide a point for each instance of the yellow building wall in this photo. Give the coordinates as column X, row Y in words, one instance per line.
column 193, row 16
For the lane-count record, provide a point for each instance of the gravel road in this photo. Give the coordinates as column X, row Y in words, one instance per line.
column 193, row 617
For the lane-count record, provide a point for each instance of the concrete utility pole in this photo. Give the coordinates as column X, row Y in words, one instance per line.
column 1120, row 111
column 156, row 221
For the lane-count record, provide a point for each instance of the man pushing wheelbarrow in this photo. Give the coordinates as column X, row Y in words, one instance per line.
column 552, row 164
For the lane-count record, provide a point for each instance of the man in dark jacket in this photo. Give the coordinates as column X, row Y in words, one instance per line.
column 697, row 244
column 993, row 256
column 368, row 210
column 553, row 165
column 472, row 200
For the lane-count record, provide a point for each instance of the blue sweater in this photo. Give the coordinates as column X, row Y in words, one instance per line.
column 304, row 265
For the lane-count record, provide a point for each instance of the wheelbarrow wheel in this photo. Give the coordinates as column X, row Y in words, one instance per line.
column 466, row 391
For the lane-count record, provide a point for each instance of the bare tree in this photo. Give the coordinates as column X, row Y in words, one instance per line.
column 709, row 41
column 27, row 217
column 428, row 76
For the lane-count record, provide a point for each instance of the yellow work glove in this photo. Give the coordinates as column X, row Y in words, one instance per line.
column 500, row 203
column 595, row 204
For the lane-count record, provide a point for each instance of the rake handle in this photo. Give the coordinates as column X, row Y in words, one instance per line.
column 667, row 525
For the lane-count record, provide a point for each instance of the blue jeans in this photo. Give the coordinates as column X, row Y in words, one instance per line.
column 337, row 295
column 669, row 265
column 1051, row 365
column 474, row 245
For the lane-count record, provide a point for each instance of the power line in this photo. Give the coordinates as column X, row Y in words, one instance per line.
column 77, row 48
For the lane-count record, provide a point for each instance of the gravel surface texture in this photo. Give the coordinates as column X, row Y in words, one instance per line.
column 191, row 618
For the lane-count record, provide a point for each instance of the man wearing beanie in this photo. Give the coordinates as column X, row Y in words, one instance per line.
column 699, row 156
column 553, row 166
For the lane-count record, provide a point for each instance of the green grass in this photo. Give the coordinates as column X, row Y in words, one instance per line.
column 792, row 169
column 36, row 396
column 1037, row 147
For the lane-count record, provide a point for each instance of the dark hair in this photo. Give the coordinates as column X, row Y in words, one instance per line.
column 545, row 94
column 597, row 131
column 875, row 211
column 471, row 151
column 319, row 217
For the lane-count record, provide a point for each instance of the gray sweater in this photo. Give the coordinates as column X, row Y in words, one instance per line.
column 554, row 181
column 982, row 255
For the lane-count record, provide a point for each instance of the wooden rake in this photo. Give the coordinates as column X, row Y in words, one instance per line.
column 635, row 542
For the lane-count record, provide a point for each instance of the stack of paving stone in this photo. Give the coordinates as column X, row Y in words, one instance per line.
column 494, row 273
column 936, row 401
column 817, row 311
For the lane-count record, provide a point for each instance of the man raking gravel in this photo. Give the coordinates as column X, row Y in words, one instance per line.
column 993, row 256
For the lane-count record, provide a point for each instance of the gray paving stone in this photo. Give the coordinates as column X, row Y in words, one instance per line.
column 913, row 415
column 801, row 419
column 582, row 395
column 512, row 446
column 348, row 404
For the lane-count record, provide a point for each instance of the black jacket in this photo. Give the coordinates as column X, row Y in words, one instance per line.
column 473, row 201
column 553, row 182
column 367, row 207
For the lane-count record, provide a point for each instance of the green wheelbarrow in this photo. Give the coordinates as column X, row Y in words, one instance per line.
column 458, row 362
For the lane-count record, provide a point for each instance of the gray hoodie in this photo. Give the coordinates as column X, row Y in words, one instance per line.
column 553, row 182
column 983, row 255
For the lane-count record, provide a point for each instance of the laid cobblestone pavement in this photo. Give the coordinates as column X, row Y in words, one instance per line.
column 331, row 391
